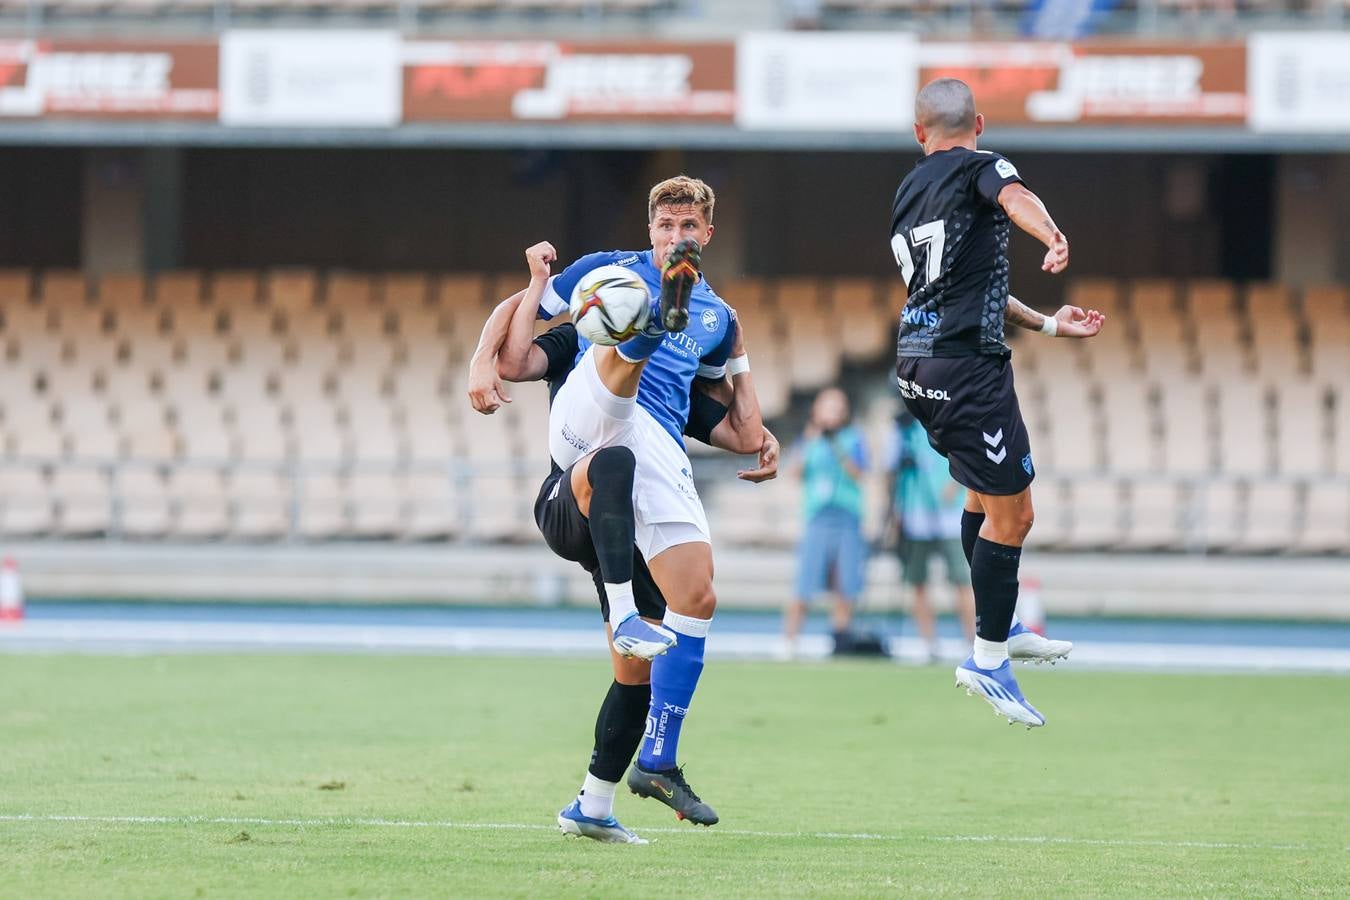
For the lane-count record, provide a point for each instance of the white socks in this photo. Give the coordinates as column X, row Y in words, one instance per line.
column 597, row 797
column 621, row 604
column 686, row 625
column 990, row 654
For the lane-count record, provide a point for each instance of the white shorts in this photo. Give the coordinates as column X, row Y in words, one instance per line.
column 586, row 417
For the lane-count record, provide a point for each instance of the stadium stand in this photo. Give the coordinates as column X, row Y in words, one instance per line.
column 256, row 406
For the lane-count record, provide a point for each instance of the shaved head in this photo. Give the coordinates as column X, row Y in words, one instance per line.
column 945, row 107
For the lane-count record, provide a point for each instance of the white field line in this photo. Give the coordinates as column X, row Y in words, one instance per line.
column 517, row 826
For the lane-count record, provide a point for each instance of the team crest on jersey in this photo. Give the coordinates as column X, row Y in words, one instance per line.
column 710, row 319
column 1005, row 169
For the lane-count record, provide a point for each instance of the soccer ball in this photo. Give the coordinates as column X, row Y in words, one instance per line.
column 610, row 304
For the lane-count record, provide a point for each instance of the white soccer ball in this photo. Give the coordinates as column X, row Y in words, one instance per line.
column 610, row 304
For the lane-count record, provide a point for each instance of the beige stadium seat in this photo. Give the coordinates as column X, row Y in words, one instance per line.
column 25, row 503
column 323, row 509
column 87, row 425
column 1243, row 436
column 202, row 433
column 1326, row 312
column 1326, row 520
column 260, row 503
column 429, row 437
column 1155, row 519
column 430, row 510
column 231, row 289
column 1127, row 414
column 146, row 433
column 464, row 295
column 200, row 502
column 145, row 510
column 1222, row 517
column 1272, row 508
column 1187, row 444
column 405, row 290
column 1154, row 308
column 292, row 291
column 345, row 291
column 1301, row 443
column 1101, row 294
column 813, row 338
column 375, row 501
column 376, row 438
column 1051, row 528
column 121, row 290
column 1098, row 508
column 1075, row 438
column 16, row 286
column 83, row 500
column 497, row 508
column 182, row 287
column 63, row 288
column 1340, row 429
column 35, row 441
column 1274, row 326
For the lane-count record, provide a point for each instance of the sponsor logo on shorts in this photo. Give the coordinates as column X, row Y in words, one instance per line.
column 1026, row 464
column 575, row 440
column 994, row 441
column 912, row 390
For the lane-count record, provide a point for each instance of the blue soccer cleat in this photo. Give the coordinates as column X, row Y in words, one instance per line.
column 636, row 637
column 1026, row 645
column 606, row 830
column 999, row 687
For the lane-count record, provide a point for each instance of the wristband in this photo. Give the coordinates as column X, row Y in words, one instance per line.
column 1050, row 326
column 738, row 364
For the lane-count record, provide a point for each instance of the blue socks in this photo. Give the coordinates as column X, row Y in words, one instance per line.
column 674, row 678
column 643, row 344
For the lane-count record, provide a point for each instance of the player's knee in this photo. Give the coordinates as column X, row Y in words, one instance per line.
column 611, row 463
column 701, row 603
column 632, row 671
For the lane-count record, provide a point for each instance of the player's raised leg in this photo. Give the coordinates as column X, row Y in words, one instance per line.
column 994, row 563
column 1024, row 644
column 684, row 573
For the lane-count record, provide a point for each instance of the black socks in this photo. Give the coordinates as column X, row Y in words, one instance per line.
column 970, row 531
column 613, row 530
column 618, row 729
column 993, row 575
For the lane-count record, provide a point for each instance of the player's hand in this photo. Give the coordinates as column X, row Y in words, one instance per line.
column 1057, row 257
column 1077, row 323
column 768, row 461
column 487, row 392
column 539, row 257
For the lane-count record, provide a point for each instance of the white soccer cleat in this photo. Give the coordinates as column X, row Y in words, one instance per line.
column 999, row 688
column 1026, row 645
column 635, row 637
column 606, row 831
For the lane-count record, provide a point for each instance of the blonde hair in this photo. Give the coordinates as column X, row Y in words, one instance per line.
column 682, row 191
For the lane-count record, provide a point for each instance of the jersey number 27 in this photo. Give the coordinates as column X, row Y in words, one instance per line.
column 934, row 234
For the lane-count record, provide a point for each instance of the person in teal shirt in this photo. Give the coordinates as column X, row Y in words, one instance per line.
column 831, row 459
column 926, row 507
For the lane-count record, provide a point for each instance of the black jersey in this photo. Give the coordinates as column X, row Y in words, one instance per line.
column 950, row 239
column 560, row 347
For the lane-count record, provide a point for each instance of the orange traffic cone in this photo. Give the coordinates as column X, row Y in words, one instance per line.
column 11, row 592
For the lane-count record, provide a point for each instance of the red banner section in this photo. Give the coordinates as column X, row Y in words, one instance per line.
column 1098, row 82
column 101, row 79
column 554, row 81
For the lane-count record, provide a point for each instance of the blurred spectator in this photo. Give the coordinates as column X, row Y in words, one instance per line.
column 830, row 461
column 926, row 512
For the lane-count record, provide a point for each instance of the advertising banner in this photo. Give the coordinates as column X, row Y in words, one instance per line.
column 842, row 81
column 1097, row 83
column 1300, row 82
column 105, row 79
column 449, row 81
column 310, row 78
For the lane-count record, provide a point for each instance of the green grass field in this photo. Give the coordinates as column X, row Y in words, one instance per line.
column 1140, row 785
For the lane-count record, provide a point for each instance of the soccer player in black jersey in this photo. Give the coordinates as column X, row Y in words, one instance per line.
column 569, row 518
column 950, row 226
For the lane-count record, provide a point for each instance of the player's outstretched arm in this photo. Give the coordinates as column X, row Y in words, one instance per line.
column 743, row 414
column 486, row 391
column 519, row 358
column 1069, row 321
column 1029, row 214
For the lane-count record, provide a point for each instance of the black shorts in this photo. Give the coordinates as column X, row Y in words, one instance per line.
column 969, row 408
column 568, row 534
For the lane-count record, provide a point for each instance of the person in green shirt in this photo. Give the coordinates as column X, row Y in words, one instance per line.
column 830, row 460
